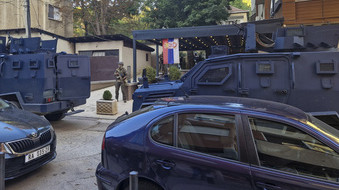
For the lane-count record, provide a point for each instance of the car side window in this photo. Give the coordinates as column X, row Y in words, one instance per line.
column 289, row 149
column 213, row 134
column 162, row 131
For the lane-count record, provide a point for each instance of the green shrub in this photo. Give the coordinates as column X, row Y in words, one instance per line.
column 174, row 73
column 151, row 73
column 107, row 95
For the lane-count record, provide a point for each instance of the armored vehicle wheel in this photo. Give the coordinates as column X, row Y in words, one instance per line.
column 55, row 116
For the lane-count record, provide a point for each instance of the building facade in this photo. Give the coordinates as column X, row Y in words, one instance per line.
column 296, row 12
column 53, row 16
column 236, row 16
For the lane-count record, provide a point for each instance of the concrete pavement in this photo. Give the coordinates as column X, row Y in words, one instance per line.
column 79, row 140
column 79, row 152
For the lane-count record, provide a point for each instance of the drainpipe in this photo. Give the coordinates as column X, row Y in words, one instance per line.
column 28, row 19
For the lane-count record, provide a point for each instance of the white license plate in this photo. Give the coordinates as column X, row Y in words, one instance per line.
column 37, row 154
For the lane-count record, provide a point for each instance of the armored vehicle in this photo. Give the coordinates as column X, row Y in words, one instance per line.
column 37, row 79
column 299, row 67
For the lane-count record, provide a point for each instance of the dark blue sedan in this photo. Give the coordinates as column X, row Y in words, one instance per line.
column 211, row 142
column 28, row 140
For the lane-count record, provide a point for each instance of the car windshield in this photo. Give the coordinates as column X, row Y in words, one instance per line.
column 3, row 104
column 330, row 131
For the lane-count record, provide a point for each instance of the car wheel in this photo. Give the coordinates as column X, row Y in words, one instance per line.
column 56, row 116
column 145, row 185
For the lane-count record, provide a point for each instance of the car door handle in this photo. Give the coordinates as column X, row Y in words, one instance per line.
column 267, row 186
column 166, row 164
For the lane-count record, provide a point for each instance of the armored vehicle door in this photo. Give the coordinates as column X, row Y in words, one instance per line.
column 218, row 78
column 266, row 78
column 30, row 76
column 254, row 76
column 73, row 78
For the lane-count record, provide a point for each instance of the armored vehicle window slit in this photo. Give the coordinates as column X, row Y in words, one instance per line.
column 326, row 67
column 34, row 64
column 215, row 76
column 73, row 64
column 16, row 64
column 264, row 68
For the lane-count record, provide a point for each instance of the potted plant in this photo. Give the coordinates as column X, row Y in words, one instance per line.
column 107, row 105
column 174, row 73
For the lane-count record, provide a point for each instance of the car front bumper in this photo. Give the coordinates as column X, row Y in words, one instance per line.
column 16, row 166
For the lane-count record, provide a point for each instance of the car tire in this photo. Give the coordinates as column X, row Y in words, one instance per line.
column 55, row 116
column 145, row 185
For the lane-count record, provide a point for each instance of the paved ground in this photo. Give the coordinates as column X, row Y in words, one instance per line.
column 78, row 146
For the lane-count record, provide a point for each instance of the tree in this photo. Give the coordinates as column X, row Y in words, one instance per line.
column 181, row 13
column 241, row 4
column 98, row 17
column 127, row 24
column 185, row 13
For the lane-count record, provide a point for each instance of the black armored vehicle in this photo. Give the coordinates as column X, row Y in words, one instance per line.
column 37, row 79
column 299, row 66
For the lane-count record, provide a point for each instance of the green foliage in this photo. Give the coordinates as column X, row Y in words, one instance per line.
column 151, row 73
column 105, row 17
column 107, row 95
column 174, row 73
column 240, row 5
column 178, row 13
column 128, row 24
column 102, row 17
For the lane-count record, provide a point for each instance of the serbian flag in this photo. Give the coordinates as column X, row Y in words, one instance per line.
column 170, row 48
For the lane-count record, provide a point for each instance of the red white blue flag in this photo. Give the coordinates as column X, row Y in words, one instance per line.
column 170, row 48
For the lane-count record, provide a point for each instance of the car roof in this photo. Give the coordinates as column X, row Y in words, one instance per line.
column 239, row 104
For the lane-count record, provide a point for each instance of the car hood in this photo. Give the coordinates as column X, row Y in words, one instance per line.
column 161, row 86
column 16, row 124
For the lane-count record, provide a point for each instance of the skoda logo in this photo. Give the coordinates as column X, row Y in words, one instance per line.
column 34, row 135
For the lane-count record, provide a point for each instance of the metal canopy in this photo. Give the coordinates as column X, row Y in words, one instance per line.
column 195, row 38
column 187, row 32
column 192, row 38
column 203, row 37
column 205, row 43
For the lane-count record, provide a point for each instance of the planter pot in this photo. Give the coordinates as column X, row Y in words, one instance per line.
column 130, row 88
column 107, row 107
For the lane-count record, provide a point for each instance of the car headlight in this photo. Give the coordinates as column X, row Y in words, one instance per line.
column 51, row 128
column 4, row 148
